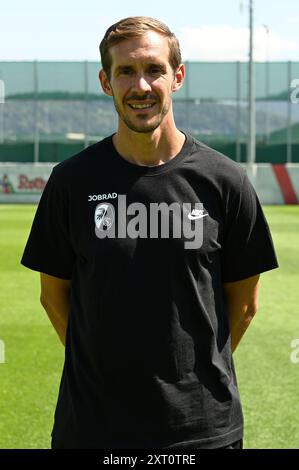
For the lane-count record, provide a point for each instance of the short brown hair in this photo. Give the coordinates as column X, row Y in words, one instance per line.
column 135, row 26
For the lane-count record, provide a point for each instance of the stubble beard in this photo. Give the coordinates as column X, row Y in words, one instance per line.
column 146, row 128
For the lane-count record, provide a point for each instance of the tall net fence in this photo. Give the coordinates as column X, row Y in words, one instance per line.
column 50, row 109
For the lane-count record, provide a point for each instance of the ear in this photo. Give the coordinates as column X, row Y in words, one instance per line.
column 105, row 83
column 179, row 78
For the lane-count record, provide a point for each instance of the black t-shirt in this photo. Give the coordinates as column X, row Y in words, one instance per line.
column 148, row 360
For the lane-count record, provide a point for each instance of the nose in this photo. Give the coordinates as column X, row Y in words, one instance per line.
column 141, row 84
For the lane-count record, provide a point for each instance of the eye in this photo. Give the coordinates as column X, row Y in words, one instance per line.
column 155, row 70
column 126, row 71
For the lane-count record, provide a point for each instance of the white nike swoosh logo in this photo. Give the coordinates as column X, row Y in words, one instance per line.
column 193, row 217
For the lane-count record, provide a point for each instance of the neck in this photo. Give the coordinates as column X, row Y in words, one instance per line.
column 150, row 149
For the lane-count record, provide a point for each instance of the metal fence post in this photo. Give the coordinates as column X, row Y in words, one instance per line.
column 2, row 101
column 187, row 65
column 238, row 112
column 251, row 94
column 36, row 113
column 267, row 92
column 289, row 118
column 86, row 127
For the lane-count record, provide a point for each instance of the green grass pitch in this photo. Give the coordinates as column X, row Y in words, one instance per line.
column 29, row 377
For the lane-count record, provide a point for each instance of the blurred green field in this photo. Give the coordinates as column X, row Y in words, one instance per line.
column 29, row 378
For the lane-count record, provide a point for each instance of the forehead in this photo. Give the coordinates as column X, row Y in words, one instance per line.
column 151, row 45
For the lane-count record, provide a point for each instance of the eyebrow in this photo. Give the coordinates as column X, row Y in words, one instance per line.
column 119, row 68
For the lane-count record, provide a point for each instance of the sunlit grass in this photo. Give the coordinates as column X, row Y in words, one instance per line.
column 29, row 378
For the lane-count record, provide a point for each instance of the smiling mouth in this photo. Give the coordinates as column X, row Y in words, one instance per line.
column 141, row 106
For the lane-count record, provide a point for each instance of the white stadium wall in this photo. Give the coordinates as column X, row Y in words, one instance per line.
column 293, row 170
column 265, row 183
column 24, row 183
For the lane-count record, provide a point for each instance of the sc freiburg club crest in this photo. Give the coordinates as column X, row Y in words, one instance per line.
column 104, row 216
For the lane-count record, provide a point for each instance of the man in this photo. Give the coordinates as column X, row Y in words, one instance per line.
column 150, row 245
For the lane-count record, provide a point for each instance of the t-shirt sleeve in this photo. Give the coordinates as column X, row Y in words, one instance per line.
column 49, row 249
column 247, row 246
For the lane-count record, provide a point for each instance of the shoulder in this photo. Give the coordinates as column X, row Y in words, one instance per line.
column 214, row 161
column 217, row 170
column 82, row 163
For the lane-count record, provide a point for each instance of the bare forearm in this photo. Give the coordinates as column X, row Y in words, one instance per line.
column 239, row 322
column 55, row 298
column 242, row 305
column 58, row 315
